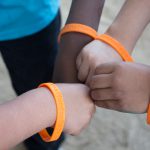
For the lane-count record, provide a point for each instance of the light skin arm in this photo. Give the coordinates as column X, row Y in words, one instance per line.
column 130, row 22
column 36, row 110
column 25, row 116
column 85, row 12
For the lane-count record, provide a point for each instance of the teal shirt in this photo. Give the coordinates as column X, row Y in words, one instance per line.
column 19, row 18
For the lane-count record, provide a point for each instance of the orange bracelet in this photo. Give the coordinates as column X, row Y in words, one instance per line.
column 80, row 28
column 60, row 118
column 148, row 115
column 116, row 46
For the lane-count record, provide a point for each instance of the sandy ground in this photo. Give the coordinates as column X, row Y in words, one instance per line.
column 109, row 130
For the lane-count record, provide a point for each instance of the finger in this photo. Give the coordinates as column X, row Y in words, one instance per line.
column 103, row 94
column 91, row 73
column 79, row 61
column 109, row 104
column 105, row 68
column 101, row 81
column 83, row 71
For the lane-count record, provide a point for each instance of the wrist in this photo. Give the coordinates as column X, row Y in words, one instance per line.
column 120, row 34
column 48, row 106
column 111, row 52
column 130, row 23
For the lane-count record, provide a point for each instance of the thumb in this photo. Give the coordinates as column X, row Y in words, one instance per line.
column 79, row 61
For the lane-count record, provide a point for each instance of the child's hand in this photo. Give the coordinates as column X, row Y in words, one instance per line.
column 79, row 107
column 93, row 55
column 123, row 87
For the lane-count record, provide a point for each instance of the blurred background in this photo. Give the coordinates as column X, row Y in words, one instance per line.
column 109, row 130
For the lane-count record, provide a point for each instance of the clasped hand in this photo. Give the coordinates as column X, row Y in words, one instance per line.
column 114, row 84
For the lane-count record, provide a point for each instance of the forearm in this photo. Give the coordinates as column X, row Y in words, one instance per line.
column 85, row 12
column 130, row 22
column 25, row 116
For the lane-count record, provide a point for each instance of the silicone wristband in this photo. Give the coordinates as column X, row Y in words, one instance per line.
column 60, row 118
column 116, row 46
column 148, row 115
column 80, row 28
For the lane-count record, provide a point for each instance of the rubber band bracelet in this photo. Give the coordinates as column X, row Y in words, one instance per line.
column 116, row 46
column 60, row 118
column 80, row 28
column 148, row 115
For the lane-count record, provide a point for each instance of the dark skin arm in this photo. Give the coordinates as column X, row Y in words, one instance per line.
column 86, row 12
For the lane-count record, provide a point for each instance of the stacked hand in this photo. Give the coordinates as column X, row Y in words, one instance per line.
column 114, row 84
column 79, row 107
column 123, row 87
column 93, row 55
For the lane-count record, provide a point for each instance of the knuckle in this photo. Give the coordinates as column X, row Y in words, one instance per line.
column 81, row 76
column 92, row 83
column 124, row 105
column 116, row 82
column 95, row 95
column 97, row 70
column 120, row 69
column 88, row 54
column 95, row 64
column 84, row 50
column 89, row 58
column 98, row 95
